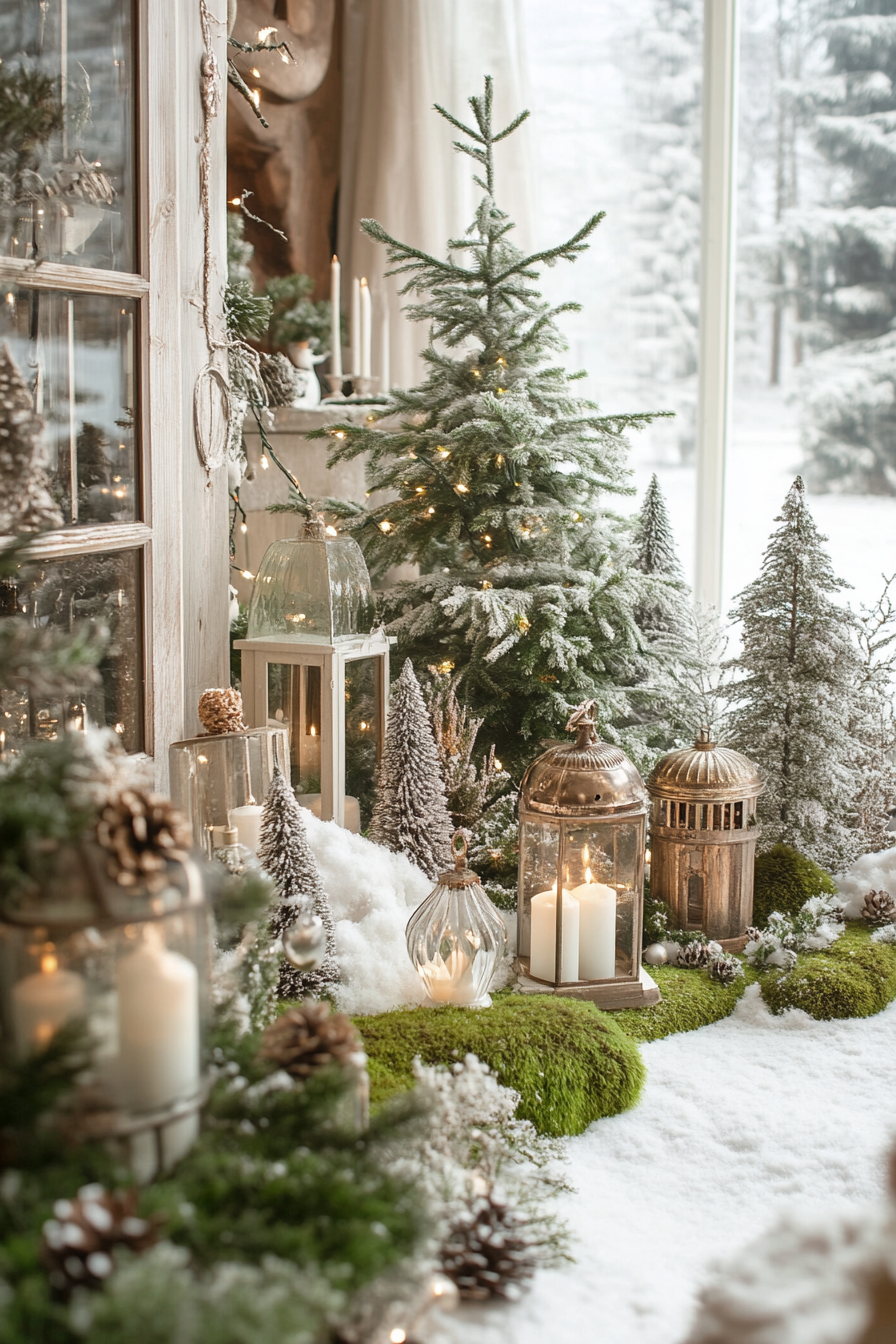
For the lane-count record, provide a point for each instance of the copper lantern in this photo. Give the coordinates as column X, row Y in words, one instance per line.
column 703, row 836
column 583, row 813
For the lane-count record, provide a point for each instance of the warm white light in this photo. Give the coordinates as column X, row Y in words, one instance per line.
column 339, row 434
column 264, row 461
column 330, row 530
column 461, row 488
column 203, row 760
column 397, row 1336
column 313, row 731
column 257, row 74
column 498, row 765
column 256, row 96
column 265, row 33
column 363, row 726
column 235, row 200
column 119, row 728
column 430, row 509
column 243, row 528
column 247, row 574
column 443, row 452
column 385, row 525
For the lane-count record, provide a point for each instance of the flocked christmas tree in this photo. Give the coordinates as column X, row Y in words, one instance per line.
column 411, row 812
column 799, row 679
column 285, row 855
column 497, row 479
column 656, row 554
column 26, row 504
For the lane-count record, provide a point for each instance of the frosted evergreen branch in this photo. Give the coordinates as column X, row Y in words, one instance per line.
column 458, row 125
column 508, row 130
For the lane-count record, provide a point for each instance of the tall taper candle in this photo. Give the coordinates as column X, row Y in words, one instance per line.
column 386, row 372
column 366, row 316
column 335, row 318
column 356, row 328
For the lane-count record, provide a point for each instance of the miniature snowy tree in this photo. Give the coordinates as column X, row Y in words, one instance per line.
column 874, row 727
column 286, row 857
column 799, row 679
column 26, row 504
column 692, row 686
column 656, row 555
column 410, row 815
column 497, row 480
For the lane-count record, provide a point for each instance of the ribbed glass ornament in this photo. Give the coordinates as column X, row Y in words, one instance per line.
column 456, row 937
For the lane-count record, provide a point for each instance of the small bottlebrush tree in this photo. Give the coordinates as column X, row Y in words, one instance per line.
column 799, row 688
column 498, row 478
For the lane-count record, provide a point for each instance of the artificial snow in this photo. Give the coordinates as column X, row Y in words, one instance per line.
column 372, row 893
column 872, row 872
column 741, row 1124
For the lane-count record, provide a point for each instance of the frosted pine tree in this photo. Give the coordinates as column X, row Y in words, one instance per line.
column 498, row 480
column 665, row 611
column 874, row 726
column 26, row 504
column 410, row 815
column 692, row 686
column 286, row 857
column 796, row 695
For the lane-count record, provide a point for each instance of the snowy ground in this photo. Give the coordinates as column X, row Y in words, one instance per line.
column 740, row 1123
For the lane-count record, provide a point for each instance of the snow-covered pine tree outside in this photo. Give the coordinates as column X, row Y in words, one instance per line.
column 286, row 857
column 797, row 692
column 498, row 480
column 410, row 815
column 874, row 724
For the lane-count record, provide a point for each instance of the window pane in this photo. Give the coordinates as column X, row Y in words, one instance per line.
column 815, row 356
column 104, row 589
column 66, row 143
column 361, row 733
column 75, row 353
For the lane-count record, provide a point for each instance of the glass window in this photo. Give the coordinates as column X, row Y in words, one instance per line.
column 107, row 590
column 75, row 353
column 361, row 732
column 67, row 139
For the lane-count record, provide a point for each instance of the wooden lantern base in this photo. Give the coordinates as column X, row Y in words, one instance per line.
column 640, row 993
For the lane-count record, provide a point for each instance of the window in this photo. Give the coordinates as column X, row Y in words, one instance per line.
column 101, row 263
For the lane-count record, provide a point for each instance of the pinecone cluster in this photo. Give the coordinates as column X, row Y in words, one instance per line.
column 725, row 969
column 141, row 832
column 309, row 1037
column 221, row 711
column 487, row 1251
column 879, row 908
column 695, row 955
column 80, row 1240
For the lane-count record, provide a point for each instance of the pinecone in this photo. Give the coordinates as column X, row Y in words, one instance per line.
column 142, row 832
column 80, row 1240
column 879, row 908
column 221, row 711
column 309, row 1037
column 695, row 955
column 725, row 969
column 487, row 1251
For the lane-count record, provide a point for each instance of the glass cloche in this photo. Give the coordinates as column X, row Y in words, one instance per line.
column 311, row 587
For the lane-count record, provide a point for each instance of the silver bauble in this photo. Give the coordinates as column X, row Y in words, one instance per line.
column 305, row 943
column 654, row 955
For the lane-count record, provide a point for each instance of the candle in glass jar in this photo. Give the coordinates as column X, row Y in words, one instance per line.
column 542, row 956
column 597, row 929
column 158, row 1032
column 335, row 320
column 450, row 981
column 247, row 821
column 44, row 1002
column 366, row 319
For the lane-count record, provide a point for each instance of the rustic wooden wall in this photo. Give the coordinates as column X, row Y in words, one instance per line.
column 293, row 167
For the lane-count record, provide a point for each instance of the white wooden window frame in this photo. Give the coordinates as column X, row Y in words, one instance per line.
column 717, row 276
column 185, row 568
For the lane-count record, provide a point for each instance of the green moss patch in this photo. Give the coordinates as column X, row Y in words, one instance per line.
column 690, row 1000
column 853, row 978
column 784, row 881
column 570, row 1063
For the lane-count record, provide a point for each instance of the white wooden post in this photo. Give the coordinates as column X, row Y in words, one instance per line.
column 716, row 289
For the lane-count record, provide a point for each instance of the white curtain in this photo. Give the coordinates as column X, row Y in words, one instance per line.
column 398, row 163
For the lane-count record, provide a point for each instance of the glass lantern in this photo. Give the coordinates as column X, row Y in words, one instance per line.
column 583, row 811
column 220, row 780
column 456, row 937
column 132, row 965
column 312, row 663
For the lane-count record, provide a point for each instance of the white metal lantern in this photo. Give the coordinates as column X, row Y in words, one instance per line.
column 583, row 811
column 312, row 663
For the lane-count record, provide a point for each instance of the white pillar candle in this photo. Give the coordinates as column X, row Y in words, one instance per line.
column 335, row 319
column 247, row 821
column 158, row 1033
column 450, row 981
column 542, row 954
column 597, row 929
column 44, row 1002
column 366, row 318
column 385, row 370
column 356, row 327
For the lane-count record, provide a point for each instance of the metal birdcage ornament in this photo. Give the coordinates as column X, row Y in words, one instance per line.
column 583, row 811
column 313, row 663
column 703, row 835
column 456, row 937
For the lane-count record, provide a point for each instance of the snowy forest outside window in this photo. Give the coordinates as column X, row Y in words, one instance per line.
column 617, row 125
column 70, row 336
